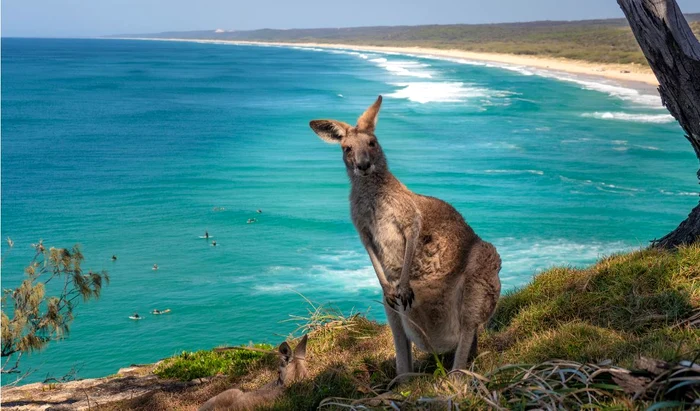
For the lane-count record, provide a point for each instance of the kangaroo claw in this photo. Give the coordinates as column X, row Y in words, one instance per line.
column 390, row 299
column 404, row 293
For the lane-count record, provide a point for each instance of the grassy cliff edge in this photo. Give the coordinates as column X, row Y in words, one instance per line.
column 567, row 339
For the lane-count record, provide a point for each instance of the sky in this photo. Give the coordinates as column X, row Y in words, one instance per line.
column 85, row 18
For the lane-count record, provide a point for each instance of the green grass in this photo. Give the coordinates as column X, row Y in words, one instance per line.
column 626, row 304
column 568, row 339
column 191, row 365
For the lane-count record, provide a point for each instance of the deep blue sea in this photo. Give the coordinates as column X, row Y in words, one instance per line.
column 135, row 148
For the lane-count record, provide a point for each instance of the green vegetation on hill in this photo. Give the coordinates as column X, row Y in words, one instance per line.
column 606, row 41
column 561, row 341
column 190, row 365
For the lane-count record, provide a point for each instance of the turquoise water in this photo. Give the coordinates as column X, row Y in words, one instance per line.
column 135, row 148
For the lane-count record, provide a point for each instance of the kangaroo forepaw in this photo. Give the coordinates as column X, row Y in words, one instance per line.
column 390, row 299
column 404, row 293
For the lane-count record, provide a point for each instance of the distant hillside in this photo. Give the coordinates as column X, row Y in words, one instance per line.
column 607, row 41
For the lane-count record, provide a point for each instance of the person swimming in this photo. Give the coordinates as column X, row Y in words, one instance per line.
column 259, row 211
column 252, row 220
column 114, row 257
column 159, row 312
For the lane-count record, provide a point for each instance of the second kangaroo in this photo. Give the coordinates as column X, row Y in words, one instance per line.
column 440, row 280
column 292, row 367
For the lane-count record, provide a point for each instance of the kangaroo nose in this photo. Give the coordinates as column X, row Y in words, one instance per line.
column 363, row 165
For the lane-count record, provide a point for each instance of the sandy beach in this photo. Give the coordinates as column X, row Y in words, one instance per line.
column 639, row 77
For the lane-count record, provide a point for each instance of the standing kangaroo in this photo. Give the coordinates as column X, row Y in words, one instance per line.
column 292, row 367
column 429, row 262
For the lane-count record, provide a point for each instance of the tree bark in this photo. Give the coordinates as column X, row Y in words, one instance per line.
column 673, row 53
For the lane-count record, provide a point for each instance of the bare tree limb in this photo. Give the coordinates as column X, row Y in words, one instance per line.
column 673, row 53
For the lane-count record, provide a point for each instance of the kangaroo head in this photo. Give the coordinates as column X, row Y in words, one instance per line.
column 362, row 153
column 292, row 362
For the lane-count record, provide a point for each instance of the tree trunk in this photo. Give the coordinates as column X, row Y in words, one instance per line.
column 673, row 53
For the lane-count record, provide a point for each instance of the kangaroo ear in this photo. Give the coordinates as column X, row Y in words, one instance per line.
column 330, row 131
column 285, row 352
column 368, row 119
column 300, row 349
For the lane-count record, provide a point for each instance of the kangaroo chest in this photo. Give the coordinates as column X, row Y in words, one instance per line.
column 382, row 224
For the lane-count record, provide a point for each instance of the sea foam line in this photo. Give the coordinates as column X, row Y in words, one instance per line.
column 403, row 67
column 535, row 172
column 638, row 118
column 603, row 186
column 445, row 92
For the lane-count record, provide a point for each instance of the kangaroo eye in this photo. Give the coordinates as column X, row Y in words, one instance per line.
column 372, row 143
column 347, row 149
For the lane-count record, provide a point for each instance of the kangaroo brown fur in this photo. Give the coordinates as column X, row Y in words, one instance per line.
column 292, row 367
column 440, row 280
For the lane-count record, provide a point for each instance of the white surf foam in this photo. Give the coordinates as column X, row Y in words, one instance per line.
column 503, row 145
column 535, row 172
column 679, row 193
column 361, row 55
column 638, row 118
column 361, row 279
column 443, row 92
column 650, row 148
column 309, row 48
column 525, row 71
column 279, row 288
column 576, row 140
column 614, row 90
column 623, row 145
column 348, row 271
column 403, row 67
column 356, row 53
column 602, row 186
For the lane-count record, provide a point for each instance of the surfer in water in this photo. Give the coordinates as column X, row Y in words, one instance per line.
column 213, row 243
column 114, row 257
column 155, row 266
column 136, row 315
column 206, row 235
column 159, row 312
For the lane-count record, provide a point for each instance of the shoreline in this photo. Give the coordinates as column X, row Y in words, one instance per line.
column 632, row 75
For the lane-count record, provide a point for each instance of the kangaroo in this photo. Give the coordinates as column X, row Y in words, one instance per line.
column 429, row 262
column 292, row 367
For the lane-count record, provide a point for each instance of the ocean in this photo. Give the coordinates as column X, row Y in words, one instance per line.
column 136, row 148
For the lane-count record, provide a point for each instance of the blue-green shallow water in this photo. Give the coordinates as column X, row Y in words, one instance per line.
column 129, row 147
